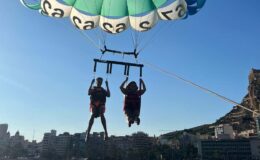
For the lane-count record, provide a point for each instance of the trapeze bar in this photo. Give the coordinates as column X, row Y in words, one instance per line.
column 118, row 63
column 125, row 64
column 119, row 52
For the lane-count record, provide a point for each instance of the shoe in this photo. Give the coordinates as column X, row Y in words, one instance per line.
column 138, row 121
column 129, row 123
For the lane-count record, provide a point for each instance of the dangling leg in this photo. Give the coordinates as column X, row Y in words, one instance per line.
column 129, row 116
column 102, row 110
column 126, row 111
column 103, row 121
column 137, row 113
column 129, row 121
column 137, row 120
column 91, row 121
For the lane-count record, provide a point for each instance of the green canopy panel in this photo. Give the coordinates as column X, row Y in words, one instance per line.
column 114, row 8
column 92, row 7
column 36, row 6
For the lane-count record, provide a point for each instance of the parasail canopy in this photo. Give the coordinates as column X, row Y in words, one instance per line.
column 115, row 16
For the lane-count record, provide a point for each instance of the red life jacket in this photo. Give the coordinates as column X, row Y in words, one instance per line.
column 132, row 101
column 98, row 95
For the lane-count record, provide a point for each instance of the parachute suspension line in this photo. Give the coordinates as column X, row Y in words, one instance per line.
column 101, row 56
column 98, row 35
column 173, row 75
column 104, row 39
column 137, row 32
column 100, row 31
column 105, row 34
column 141, row 68
column 86, row 36
column 133, row 40
column 142, row 38
column 152, row 38
column 133, row 34
column 90, row 39
column 139, row 35
column 136, row 61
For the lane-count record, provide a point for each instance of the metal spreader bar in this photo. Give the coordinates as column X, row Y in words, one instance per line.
column 110, row 64
column 135, row 53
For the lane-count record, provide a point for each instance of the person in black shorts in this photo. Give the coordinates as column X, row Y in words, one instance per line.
column 98, row 97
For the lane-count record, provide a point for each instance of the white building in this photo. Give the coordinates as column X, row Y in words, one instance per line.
column 17, row 139
column 63, row 144
column 49, row 141
column 224, row 131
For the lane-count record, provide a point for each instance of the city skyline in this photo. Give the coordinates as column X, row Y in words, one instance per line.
column 52, row 131
column 46, row 68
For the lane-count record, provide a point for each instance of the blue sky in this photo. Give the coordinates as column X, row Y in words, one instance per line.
column 46, row 69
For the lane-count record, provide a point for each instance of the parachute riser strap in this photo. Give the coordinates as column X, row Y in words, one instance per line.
column 141, row 72
column 141, row 75
column 95, row 69
column 125, row 64
column 126, row 72
column 109, row 68
column 134, row 53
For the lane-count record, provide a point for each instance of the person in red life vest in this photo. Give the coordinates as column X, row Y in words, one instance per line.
column 132, row 103
column 97, row 104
